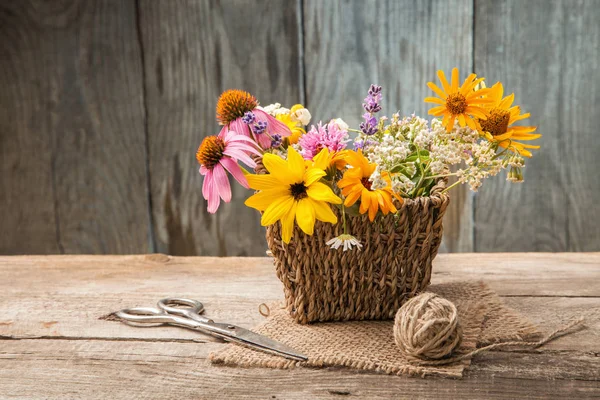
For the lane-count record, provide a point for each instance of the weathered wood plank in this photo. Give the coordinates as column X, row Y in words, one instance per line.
column 81, row 317
column 542, row 50
column 578, row 121
column 176, row 370
column 26, row 190
column 194, row 50
column 72, row 163
column 397, row 44
column 85, row 288
column 509, row 274
column 61, row 297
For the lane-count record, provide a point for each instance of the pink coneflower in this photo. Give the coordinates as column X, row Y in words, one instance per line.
column 221, row 153
column 318, row 137
column 239, row 111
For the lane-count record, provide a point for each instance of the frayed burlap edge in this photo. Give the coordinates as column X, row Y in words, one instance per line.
column 503, row 324
column 369, row 346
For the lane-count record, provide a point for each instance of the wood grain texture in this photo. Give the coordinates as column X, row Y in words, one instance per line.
column 542, row 50
column 194, row 50
column 181, row 370
column 53, row 344
column 72, row 165
column 397, row 44
column 579, row 120
column 84, row 288
column 105, row 102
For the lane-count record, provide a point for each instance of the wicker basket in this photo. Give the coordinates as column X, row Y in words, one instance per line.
column 394, row 264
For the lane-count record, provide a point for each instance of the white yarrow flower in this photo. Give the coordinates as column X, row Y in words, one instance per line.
column 345, row 240
column 302, row 115
column 341, row 124
column 272, row 108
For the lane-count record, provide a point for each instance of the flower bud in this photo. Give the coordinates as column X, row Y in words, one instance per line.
column 301, row 115
column 341, row 124
column 515, row 175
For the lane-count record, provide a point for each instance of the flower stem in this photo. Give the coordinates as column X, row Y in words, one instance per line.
column 443, row 175
column 422, row 170
column 501, row 153
column 421, row 179
column 451, row 186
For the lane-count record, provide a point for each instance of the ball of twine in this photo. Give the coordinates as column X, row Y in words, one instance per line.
column 427, row 331
column 427, row 328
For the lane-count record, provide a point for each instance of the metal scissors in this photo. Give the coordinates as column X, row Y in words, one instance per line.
column 171, row 312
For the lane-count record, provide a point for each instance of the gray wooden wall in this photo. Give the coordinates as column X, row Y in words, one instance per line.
column 103, row 104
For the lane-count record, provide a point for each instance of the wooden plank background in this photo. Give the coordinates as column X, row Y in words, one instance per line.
column 104, row 102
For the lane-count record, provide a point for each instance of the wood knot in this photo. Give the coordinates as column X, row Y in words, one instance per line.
column 157, row 257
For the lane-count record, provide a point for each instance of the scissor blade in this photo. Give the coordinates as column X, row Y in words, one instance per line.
column 260, row 342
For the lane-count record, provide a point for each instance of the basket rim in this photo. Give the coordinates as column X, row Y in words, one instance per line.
column 437, row 195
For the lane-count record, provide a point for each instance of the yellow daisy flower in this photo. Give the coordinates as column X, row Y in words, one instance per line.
column 291, row 191
column 499, row 117
column 329, row 161
column 355, row 185
column 294, row 126
column 462, row 103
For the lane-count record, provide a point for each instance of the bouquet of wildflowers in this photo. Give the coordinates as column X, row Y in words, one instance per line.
column 369, row 170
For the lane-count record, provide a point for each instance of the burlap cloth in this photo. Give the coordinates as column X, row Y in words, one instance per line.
column 369, row 345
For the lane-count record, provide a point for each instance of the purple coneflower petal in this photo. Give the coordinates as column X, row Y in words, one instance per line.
column 235, row 137
column 210, row 192
column 235, row 171
column 237, row 126
column 274, row 126
column 239, row 155
column 221, row 182
column 241, row 144
column 246, row 148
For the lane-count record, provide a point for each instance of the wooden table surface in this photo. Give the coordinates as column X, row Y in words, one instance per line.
column 56, row 343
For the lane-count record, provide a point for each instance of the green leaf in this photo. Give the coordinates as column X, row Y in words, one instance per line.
column 351, row 211
column 403, row 170
column 422, row 154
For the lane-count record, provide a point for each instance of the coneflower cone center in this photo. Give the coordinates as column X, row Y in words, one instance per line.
column 496, row 123
column 210, row 151
column 298, row 191
column 366, row 183
column 234, row 104
column 456, row 103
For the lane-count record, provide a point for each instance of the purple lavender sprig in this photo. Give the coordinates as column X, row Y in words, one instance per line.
column 374, row 90
column 362, row 143
column 276, row 140
column 371, row 105
column 259, row 127
column 369, row 126
column 249, row 117
column 372, row 101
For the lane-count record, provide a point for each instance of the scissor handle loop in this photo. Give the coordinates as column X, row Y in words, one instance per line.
column 143, row 316
column 192, row 310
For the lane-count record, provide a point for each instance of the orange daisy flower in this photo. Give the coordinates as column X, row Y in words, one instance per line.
column 355, row 185
column 499, row 116
column 462, row 103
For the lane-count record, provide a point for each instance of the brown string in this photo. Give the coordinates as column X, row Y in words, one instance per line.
column 427, row 331
column 264, row 310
